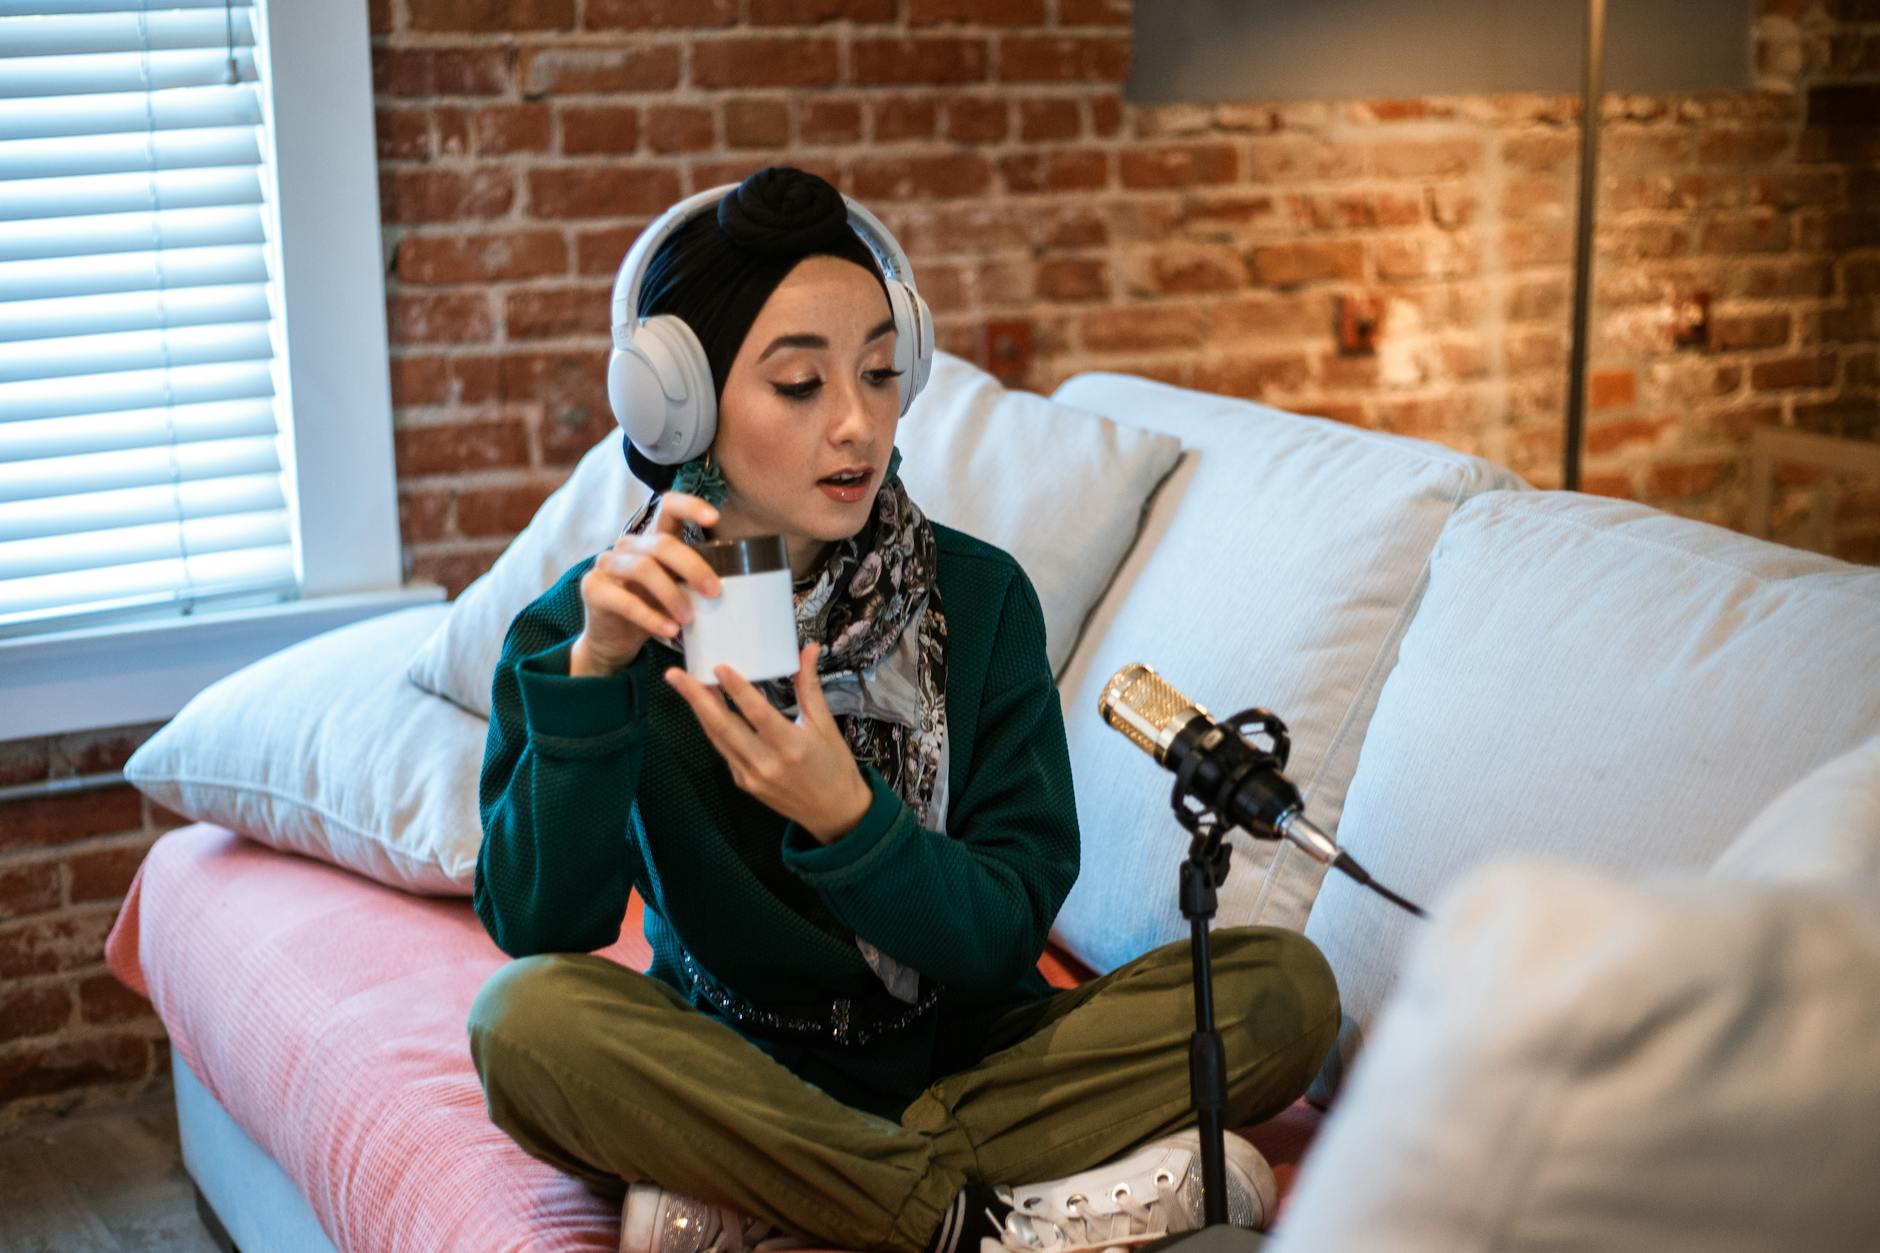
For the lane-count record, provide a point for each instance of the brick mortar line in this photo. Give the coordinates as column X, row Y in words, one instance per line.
column 633, row 38
column 942, row 96
column 88, row 843
column 56, row 977
column 841, row 91
column 694, row 94
column 454, row 545
column 996, row 151
column 38, row 854
column 1278, row 235
column 82, row 909
column 596, row 339
column 81, row 1031
column 463, row 482
column 1264, row 236
column 649, row 159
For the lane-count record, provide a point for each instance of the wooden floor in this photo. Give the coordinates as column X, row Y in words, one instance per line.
column 100, row 1183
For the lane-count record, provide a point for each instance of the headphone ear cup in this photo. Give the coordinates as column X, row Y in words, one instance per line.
column 635, row 396
column 660, row 387
column 923, row 365
column 913, row 340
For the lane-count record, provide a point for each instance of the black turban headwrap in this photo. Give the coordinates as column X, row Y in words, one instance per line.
column 716, row 271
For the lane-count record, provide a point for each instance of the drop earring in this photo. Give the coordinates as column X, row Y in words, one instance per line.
column 701, row 477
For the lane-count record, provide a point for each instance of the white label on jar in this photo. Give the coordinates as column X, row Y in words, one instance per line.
column 750, row 626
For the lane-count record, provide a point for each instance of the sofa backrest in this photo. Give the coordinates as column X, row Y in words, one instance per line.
column 1277, row 566
column 1599, row 681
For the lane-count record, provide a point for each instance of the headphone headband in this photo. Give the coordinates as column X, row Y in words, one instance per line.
column 659, row 384
column 626, row 298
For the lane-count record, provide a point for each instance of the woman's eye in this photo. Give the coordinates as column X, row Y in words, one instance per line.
column 881, row 378
column 797, row 391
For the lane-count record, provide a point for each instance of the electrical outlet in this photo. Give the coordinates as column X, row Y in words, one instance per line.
column 1358, row 319
column 1690, row 319
column 1006, row 350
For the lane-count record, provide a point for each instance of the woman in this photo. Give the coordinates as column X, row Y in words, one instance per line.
column 843, row 1034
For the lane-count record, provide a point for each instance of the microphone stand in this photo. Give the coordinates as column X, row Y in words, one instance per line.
column 1204, row 870
column 1223, row 780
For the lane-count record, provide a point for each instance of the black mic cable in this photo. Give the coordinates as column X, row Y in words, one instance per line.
column 1217, row 766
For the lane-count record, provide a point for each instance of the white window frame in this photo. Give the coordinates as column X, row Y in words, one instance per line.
column 333, row 370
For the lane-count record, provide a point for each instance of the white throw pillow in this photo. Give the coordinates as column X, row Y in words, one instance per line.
column 582, row 516
column 1574, row 1063
column 1598, row 681
column 1060, row 489
column 1277, row 567
column 1824, row 829
column 325, row 749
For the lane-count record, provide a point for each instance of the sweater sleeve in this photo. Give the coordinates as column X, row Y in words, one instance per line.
column 973, row 907
column 559, row 772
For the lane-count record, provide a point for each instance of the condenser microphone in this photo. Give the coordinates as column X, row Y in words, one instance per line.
column 1218, row 768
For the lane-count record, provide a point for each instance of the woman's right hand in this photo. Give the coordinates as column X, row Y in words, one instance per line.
column 637, row 589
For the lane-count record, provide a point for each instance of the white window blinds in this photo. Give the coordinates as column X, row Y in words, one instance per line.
column 139, row 459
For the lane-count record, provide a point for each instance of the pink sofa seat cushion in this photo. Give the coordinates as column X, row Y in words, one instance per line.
column 326, row 1014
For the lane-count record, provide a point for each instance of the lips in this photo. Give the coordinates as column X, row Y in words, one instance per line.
column 846, row 491
column 848, row 476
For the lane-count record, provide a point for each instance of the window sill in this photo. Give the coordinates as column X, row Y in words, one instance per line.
column 128, row 673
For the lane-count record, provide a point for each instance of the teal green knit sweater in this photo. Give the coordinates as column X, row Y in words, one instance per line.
column 596, row 786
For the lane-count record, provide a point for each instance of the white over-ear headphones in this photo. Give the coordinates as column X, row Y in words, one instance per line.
column 658, row 380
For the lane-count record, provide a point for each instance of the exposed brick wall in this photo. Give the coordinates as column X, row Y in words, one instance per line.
column 71, row 1036
column 523, row 144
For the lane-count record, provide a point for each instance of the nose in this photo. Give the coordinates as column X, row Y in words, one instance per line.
column 852, row 422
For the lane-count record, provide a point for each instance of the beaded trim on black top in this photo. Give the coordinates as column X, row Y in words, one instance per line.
column 834, row 1024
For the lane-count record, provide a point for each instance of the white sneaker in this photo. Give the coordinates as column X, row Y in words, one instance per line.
column 1141, row 1196
column 653, row 1220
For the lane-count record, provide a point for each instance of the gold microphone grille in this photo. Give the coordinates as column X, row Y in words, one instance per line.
column 1139, row 702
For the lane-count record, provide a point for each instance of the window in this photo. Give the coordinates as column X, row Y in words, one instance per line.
column 195, row 422
column 138, row 438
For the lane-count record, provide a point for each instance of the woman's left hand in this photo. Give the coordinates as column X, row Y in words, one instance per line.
column 802, row 769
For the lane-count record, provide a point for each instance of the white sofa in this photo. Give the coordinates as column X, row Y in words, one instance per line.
column 1471, row 671
column 1635, row 1024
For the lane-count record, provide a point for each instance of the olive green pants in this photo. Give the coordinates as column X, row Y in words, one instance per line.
column 611, row 1076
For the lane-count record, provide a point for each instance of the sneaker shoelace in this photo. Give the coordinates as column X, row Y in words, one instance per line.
column 1041, row 1229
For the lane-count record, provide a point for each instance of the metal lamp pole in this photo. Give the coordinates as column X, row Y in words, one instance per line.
column 1583, row 240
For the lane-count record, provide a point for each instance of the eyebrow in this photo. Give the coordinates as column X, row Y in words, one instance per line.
column 817, row 341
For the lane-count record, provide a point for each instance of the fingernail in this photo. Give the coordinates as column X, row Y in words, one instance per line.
column 671, row 628
column 714, row 587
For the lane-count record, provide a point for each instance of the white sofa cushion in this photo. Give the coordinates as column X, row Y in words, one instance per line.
column 582, row 516
column 1060, row 489
column 1576, row 1063
column 1824, row 829
column 1600, row 681
column 325, row 749
column 1277, row 567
